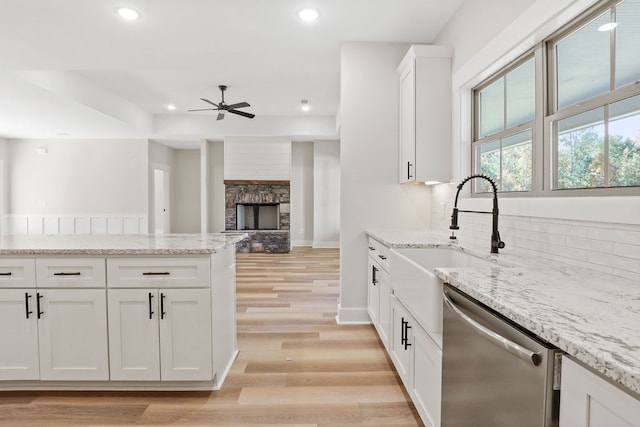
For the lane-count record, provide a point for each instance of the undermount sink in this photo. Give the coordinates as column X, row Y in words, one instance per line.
column 413, row 280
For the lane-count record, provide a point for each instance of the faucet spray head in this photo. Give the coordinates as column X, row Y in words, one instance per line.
column 454, row 220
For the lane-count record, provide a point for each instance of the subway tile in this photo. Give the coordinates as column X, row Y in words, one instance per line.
column 615, row 261
column 615, row 235
column 590, row 244
column 629, row 251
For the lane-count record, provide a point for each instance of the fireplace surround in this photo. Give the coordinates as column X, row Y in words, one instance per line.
column 269, row 232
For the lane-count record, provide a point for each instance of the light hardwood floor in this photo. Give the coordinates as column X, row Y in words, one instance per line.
column 296, row 367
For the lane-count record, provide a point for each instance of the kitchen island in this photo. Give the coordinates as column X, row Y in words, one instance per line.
column 148, row 312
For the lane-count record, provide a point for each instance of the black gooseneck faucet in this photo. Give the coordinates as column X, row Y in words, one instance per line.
column 496, row 243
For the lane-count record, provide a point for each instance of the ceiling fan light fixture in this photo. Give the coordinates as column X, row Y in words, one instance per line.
column 127, row 13
column 308, row 14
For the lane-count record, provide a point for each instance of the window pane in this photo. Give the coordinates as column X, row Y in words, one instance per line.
column 624, row 142
column 627, row 42
column 521, row 94
column 517, row 155
column 489, row 155
column 583, row 63
column 492, row 108
column 580, row 152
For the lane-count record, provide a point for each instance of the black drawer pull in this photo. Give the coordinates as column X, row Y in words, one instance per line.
column 382, row 257
column 156, row 273
column 77, row 273
column 5, row 274
column 150, row 305
column 371, row 248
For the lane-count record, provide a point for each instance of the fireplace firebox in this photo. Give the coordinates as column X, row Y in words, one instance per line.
column 257, row 216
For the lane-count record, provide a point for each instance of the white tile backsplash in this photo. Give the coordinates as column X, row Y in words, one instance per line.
column 604, row 246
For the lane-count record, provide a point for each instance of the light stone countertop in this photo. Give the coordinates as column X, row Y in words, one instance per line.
column 118, row 244
column 592, row 316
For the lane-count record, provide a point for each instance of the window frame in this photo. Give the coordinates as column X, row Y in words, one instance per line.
column 544, row 143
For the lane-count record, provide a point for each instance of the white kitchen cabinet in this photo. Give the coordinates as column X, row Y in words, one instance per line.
column 418, row 361
column 400, row 347
column 425, row 114
column 587, row 400
column 379, row 289
column 160, row 334
column 18, row 335
column 72, row 332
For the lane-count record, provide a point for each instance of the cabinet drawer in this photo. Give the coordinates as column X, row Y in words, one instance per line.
column 17, row 273
column 379, row 252
column 88, row 272
column 158, row 272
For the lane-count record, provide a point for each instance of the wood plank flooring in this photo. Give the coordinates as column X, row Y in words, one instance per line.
column 296, row 366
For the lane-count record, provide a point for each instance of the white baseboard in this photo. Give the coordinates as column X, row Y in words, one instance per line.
column 327, row 244
column 353, row 316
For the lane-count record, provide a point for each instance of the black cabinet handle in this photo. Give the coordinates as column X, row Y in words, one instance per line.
column 382, row 257
column 374, row 270
column 371, row 248
column 6, row 274
column 76, row 273
column 162, row 313
column 405, row 334
column 409, row 176
column 38, row 298
column 150, row 305
column 26, row 303
column 156, row 273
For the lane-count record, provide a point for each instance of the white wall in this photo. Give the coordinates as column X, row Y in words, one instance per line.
column 4, row 184
column 185, row 192
column 370, row 197
column 257, row 158
column 326, row 194
column 216, row 186
column 302, row 194
column 78, row 177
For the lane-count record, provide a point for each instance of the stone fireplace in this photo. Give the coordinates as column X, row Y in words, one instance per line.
column 262, row 210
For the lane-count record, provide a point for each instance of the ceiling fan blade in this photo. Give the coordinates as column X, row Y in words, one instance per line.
column 220, row 116
column 242, row 113
column 209, row 102
column 204, row 109
column 238, row 105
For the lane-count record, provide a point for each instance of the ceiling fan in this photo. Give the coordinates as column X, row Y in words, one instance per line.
column 222, row 107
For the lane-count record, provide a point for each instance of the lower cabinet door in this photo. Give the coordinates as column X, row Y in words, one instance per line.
column 373, row 293
column 586, row 400
column 401, row 340
column 185, row 334
column 426, row 392
column 384, row 317
column 18, row 335
column 72, row 331
column 134, row 338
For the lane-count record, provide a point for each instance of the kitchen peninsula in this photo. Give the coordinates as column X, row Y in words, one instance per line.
column 154, row 312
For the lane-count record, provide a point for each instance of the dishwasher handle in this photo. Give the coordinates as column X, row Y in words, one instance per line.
column 513, row 348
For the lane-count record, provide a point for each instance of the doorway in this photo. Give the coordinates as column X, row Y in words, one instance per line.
column 161, row 202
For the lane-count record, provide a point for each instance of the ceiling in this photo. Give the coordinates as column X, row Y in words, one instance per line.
column 75, row 69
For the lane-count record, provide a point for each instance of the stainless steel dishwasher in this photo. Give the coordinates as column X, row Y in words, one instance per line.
column 494, row 373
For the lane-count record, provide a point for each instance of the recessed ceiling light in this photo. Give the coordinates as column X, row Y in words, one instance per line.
column 308, row 15
column 128, row 13
column 305, row 105
column 608, row 26
column 171, row 107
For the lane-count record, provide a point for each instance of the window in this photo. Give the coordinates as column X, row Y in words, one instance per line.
column 505, row 113
column 586, row 137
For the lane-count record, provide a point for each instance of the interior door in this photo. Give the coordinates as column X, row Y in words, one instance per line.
column 161, row 201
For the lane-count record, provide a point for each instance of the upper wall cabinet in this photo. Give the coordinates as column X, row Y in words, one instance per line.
column 425, row 114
